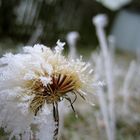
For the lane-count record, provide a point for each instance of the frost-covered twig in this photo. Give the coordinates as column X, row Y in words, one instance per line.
column 111, row 44
column 100, row 22
column 104, row 110
column 71, row 39
column 101, row 94
column 126, row 84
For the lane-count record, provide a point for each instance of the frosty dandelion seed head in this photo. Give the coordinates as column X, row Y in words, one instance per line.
column 32, row 84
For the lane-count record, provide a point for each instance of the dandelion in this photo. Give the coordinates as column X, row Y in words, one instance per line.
column 33, row 83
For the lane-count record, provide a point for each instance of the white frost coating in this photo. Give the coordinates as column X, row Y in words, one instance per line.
column 45, row 80
column 48, row 68
column 29, row 75
column 45, row 123
column 60, row 46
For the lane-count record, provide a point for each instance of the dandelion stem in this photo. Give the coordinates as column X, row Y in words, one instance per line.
column 56, row 119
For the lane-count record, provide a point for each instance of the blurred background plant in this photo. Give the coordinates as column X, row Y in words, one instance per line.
column 26, row 22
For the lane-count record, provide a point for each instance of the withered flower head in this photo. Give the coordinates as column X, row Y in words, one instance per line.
column 34, row 82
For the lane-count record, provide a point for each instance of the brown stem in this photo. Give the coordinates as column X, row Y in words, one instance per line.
column 56, row 119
